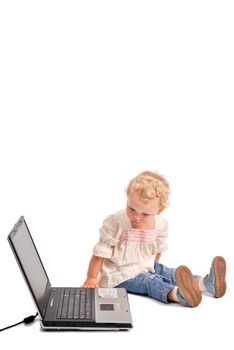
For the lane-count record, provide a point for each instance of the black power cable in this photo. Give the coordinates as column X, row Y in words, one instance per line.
column 26, row 320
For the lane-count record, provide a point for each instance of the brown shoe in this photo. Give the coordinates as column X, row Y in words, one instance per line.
column 188, row 292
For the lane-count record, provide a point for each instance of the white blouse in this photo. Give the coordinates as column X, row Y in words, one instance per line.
column 128, row 251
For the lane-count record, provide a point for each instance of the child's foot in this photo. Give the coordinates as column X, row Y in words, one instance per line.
column 215, row 282
column 188, row 292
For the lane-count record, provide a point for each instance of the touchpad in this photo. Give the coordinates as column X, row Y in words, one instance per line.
column 107, row 307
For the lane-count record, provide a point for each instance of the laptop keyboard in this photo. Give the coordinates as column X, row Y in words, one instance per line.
column 76, row 303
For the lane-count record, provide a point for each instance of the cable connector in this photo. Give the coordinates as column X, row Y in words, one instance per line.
column 30, row 319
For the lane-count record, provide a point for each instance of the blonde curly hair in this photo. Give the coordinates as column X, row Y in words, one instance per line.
column 150, row 184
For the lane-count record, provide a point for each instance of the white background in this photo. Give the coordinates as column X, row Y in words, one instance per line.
column 93, row 92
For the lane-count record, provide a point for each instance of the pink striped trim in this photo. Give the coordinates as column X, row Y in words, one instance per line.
column 134, row 235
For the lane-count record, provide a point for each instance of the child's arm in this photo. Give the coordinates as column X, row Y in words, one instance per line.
column 157, row 257
column 93, row 270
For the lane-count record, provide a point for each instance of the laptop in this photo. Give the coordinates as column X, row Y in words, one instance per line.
column 65, row 308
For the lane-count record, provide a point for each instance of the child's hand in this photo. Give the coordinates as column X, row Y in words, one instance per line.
column 90, row 282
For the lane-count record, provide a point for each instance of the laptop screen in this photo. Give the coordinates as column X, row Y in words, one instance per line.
column 29, row 261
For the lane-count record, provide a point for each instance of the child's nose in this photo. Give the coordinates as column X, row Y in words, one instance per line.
column 136, row 216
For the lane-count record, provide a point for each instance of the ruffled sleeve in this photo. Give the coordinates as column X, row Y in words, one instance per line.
column 108, row 237
column 162, row 237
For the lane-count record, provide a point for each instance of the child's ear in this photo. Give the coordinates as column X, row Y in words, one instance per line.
column 161, row 209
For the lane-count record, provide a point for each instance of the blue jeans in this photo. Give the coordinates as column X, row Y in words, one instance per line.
column 156, row 284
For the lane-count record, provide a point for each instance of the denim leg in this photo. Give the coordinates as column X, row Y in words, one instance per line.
column 151, row 284
column 167, row 274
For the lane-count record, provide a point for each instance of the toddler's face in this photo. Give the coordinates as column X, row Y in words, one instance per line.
column 141, row 211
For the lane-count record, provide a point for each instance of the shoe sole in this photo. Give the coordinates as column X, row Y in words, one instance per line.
column 186, row 283
column 219, row 265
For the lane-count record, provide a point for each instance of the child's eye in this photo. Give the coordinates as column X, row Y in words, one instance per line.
column 131, row 209
column 146, row 214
